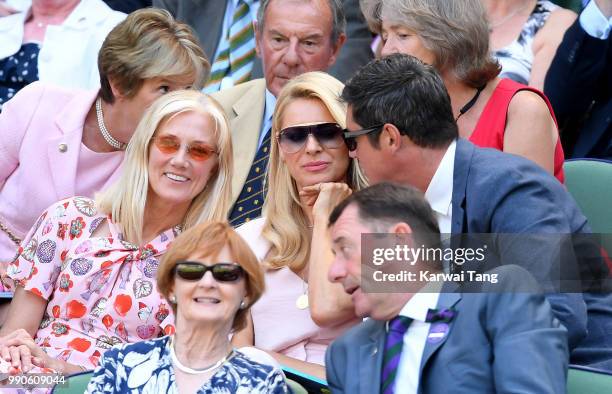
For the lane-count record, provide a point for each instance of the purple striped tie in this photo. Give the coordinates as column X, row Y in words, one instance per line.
column 393, row 351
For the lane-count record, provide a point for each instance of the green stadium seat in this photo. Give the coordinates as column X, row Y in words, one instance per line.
column 76, row 383
column 585, row 380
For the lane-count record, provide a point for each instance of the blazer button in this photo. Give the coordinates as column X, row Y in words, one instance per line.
column 374, row 351
column 62, row 148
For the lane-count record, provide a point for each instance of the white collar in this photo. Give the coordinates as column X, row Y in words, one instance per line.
column 94, row 10
column 427, row 298
column 439, row 193
column 270, row 105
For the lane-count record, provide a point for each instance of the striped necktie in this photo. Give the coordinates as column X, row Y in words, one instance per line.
column 237, row 51
column 251, row 198
column 393, row 351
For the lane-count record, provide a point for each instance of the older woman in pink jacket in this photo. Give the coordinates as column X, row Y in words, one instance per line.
column 58, row 143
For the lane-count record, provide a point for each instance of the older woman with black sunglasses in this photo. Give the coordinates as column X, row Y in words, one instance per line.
column 211, row 278
column 309, row 172
column 86, row 272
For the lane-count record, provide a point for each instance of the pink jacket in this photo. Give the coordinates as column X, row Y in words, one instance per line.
column 40, row 141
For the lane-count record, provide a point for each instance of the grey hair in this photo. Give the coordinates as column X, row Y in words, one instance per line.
column 335, row 6
column 456, row 31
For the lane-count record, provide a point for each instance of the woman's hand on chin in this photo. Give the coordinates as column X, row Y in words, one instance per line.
column 325, row 197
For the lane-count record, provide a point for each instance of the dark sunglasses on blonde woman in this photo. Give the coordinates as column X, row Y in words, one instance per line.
column 292, row 139
column 170, row 144
column 222, row 272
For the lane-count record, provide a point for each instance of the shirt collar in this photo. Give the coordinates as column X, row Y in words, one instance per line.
column 270, row 104
column 416, row 308
column 439, row 193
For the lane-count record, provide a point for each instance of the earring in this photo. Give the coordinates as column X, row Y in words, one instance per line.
column 172, row 299
column 243, row 304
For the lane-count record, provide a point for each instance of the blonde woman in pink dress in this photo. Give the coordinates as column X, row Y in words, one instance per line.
column 310, row 170
column 86, row 274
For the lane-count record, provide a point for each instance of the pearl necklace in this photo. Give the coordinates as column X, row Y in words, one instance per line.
column 104, row 131
column 192, row 371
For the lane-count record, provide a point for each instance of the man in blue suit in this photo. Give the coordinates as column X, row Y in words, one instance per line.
column 472, row 343
column 401, row 128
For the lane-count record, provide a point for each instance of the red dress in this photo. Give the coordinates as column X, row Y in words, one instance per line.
column 490, row 129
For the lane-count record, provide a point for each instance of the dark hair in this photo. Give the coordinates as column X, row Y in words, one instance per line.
column 401, row 90
column 392, row 203
column 335, row 6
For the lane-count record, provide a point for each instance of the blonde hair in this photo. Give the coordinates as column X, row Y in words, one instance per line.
column 456, row 31
column 207, row 240
column 286, row 225
column 125, row 200
column 149, row 43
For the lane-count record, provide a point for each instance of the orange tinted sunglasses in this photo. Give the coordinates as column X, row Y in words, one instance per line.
column 170, row 144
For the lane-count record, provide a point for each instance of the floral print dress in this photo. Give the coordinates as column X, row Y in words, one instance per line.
column 101, row 291
column 146, row 367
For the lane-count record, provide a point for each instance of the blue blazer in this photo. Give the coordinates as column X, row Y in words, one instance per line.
column 495, row 192
column 487, row 348
column 579, row 83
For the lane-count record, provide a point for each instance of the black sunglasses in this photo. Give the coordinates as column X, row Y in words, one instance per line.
column 349, row 136
column 292, row 139
column 222, row 272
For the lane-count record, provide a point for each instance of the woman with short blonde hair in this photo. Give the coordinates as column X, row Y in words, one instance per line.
column 309, row 171
column 153, row 45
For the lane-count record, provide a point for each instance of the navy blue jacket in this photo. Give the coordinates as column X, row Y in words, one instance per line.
column 579, row 86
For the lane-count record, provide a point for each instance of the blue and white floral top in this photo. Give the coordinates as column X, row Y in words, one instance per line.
column 516, row 58
column 147, row 367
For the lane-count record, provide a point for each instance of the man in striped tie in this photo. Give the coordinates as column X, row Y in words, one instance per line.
column 433, row 341
column 292, row 37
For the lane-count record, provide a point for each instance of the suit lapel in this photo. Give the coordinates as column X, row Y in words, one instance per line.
column 463, row 159
column 245, row 126
column 446, row 300
column 63, row 150
column 370, row 356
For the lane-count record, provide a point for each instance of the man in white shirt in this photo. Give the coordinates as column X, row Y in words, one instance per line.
column 472, row 343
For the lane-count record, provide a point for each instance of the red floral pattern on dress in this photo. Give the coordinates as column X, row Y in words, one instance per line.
column 100, row 290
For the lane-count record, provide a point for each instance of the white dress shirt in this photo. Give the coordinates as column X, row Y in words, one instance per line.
column 407, row 378
column 266, row 124
column 593, row 21
column 439, row 193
